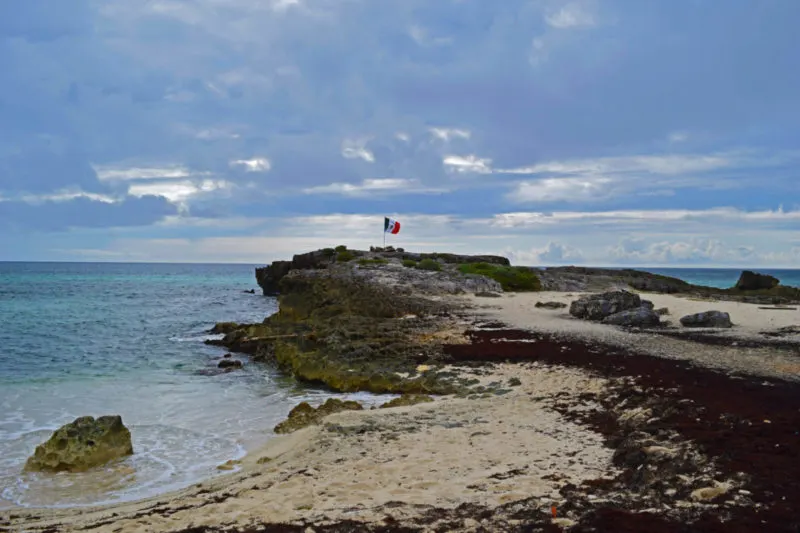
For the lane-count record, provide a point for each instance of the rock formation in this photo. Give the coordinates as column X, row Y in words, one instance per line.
column 708, row 319
column 304, row 415
column 599, row 306
column 641, row 317
column 82, row 444
column 752, row 281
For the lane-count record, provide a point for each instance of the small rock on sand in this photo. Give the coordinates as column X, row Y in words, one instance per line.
column 707, row 319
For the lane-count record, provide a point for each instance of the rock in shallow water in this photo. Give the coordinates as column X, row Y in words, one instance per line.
column 82, row 444
column 708, row 319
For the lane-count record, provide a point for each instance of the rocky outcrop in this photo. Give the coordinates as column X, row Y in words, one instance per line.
column 599, row 306
column 752, row 281
column 641, row 317
column 303, row 415
column 81, row 445
column 269, row 277
column 707, row 319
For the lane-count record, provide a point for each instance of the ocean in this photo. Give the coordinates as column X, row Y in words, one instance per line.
column 724, row 278
column 107, row 338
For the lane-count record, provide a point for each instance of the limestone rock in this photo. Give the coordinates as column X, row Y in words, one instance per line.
column 407, row 399
column 224, row 327
column 642, row 317
column 304, row 415
column 753, row 281
column 707, row 319
column 230, row 363
column 82, row 444
column 661, row 311
column 599, row 306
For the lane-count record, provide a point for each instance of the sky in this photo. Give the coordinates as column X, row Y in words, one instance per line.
column 598, row 132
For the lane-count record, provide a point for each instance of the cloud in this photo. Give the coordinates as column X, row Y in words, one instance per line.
column 105, row 173
column 694, row 251
column 83, row 212
column 554, row 253
column 179, row 192
column 562, row 190
column 469, row 163
column 572, row 15
column 373, row 186
column 448, row 134
column 356, row 149
column 258, row 164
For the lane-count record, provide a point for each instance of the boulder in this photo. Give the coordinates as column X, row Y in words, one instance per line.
column 753, row 281
column 642, row 317
column 661, row 311
column 82, row 444
column 707, row 319
column 230, row 363
column 648, row 304
column 599, row 306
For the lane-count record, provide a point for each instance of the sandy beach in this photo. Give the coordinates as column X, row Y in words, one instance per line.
column 442, row 466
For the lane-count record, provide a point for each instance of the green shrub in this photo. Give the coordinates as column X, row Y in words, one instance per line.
column 328, row 252
column 345, row 256
column 409, row 263
column 367, row 262
column 510, row 278
column 341, row 248
column 429, row 264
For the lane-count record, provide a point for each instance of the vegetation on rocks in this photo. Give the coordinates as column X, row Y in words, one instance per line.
column 303, row 415
column 372, row 262
column 406, row 399
column 512, row 279
column 409, row 263
column 429, row 264
column 345, row 256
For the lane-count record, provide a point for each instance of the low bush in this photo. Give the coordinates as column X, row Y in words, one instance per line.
column 429, row 264
column 409, row 263
column 345, row 256
column 512, row 279
column 368, row 262
column 341, row 248
column 328, row 252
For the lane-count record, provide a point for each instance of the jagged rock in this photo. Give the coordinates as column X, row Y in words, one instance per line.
column 82, row 444
column 486, row 294
column 753, row 281
column 599, row 306
column 230, row 363
column 550, row 305
column 648, row 304
column 642, row 317
column 304, row 415
column 707, row 319
column 661, row 311
column 224, row 328
column 407, row 399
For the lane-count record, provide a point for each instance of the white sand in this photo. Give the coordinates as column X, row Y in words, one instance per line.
column 519, row 310
column 443, row 453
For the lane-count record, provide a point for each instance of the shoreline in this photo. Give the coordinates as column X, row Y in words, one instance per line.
column 565, row 413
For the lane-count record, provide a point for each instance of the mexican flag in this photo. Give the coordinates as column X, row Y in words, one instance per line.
column 391, row 226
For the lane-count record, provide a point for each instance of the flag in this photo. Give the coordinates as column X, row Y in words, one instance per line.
column 391, row 226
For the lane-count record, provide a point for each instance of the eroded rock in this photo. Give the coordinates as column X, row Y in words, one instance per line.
column 599, row 306
column 304, row 415
column 642, row 317
column 82, row 444
column 407, row 399
column 707, row 319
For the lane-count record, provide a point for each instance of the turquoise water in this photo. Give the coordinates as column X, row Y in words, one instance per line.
column 724, row 277
column 102, row 338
